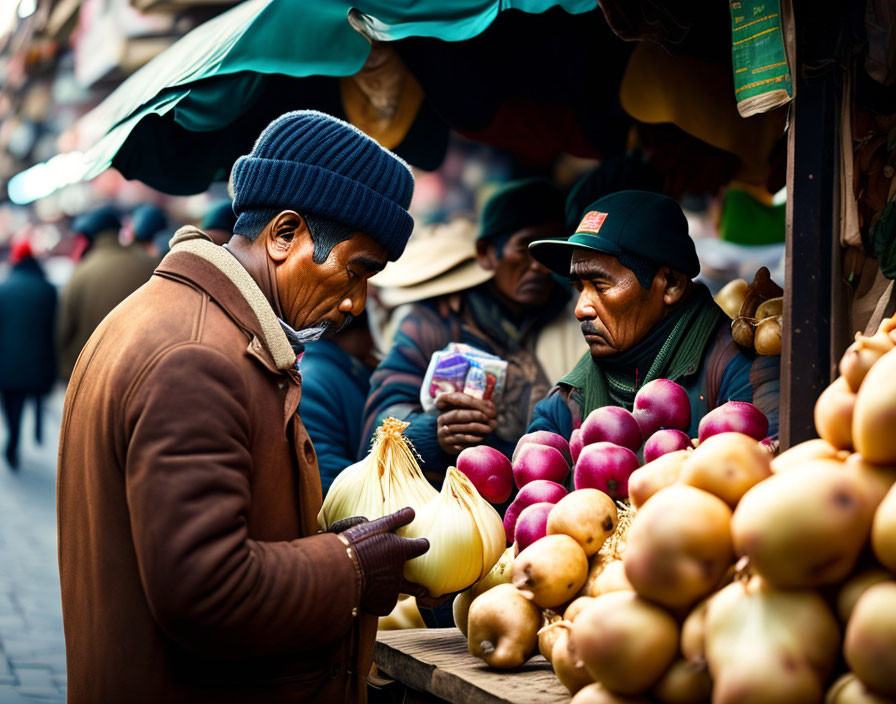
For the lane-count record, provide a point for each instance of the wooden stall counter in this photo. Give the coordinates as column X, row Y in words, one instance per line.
column 436, row 661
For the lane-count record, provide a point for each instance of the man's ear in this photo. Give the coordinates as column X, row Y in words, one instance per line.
column 283, row 232
column 486, row 255
column 675, row 284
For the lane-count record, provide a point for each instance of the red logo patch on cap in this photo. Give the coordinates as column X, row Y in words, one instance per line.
column 592, row 222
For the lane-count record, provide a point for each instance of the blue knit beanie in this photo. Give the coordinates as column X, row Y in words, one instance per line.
column 316, row 164
column 95, row 222
column 147, row 220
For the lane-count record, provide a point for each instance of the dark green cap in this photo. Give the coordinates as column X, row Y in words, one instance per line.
column 219, row 217
column 648, row 225
column 519, row 204
column 94, row 222
column 148, row 220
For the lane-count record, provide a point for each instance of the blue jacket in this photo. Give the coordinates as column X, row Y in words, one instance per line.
column 726, row 374
column 27, row 322
column 334, row 389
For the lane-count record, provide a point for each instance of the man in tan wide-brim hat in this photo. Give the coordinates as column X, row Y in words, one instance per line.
column 487, row 292
column 439, row 259
column 440, row 262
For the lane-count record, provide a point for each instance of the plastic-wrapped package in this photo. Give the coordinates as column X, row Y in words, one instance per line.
column 476, row 382
column 461, row 367
column 449, row 372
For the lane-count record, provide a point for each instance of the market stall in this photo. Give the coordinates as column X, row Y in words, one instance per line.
column 647, row 555
column 636, row 68
column 717, row 572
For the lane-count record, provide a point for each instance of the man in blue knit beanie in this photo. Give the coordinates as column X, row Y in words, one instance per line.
column 193, row 567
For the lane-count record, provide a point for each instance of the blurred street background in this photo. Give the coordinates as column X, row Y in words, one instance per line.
column 32, row 649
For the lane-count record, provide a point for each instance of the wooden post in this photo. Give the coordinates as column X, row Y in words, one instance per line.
column 812, row 201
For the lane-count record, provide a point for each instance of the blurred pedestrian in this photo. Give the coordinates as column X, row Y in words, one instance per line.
column 147, row 222
column 218, row 221
column 27, row 357
column 105, row 276
column 192, row 564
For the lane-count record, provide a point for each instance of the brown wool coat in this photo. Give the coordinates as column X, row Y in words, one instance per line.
column 187, row 500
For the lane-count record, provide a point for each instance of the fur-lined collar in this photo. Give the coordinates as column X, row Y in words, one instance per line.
column 194, row 241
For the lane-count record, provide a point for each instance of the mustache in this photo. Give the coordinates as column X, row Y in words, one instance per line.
column 328, row 327
column 589, row 329
column 349, row 318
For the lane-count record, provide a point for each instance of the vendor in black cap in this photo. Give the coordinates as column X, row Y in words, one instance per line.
column 633, row 262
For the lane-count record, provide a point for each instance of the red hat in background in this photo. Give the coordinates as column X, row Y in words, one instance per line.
column 20, row 250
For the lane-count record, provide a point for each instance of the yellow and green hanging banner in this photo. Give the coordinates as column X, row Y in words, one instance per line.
column 761, row 73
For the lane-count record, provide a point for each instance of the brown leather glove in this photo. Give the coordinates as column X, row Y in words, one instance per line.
column 343, row 524
column 381, row 556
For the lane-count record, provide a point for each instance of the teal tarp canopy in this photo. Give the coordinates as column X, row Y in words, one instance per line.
column 180, row 121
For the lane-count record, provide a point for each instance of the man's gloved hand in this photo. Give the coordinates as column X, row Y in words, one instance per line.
column 381, row 555
column 343, row 524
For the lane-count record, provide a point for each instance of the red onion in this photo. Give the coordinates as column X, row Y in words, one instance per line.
column 489, row 470
column 606, row 467
column 662, row 403
column 531, row 525
column 734, row 417
column 544, row 437
column 576, row 443
column 533, row 493
column 612, row 424
column 665, row 441
column 538, row 462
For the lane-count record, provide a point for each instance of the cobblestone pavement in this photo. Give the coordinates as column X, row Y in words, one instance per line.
column 32, row 649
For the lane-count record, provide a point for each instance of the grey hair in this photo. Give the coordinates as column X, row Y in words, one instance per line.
column 325, row 233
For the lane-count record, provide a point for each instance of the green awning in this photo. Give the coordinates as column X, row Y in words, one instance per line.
column 195, row 103
column 288, row 37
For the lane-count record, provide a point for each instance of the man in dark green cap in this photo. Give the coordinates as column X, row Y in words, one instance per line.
column 507, row 316
column 633, row 262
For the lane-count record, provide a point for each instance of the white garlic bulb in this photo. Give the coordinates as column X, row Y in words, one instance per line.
column 465, row 533
column 385, row 481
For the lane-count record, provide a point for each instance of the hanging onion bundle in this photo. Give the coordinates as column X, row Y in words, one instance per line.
column 385, row 481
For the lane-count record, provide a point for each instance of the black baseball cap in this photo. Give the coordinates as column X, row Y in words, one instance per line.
column 649, row 225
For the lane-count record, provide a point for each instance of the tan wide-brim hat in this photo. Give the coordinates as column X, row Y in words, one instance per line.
column 439, row 259
column 465, row 275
